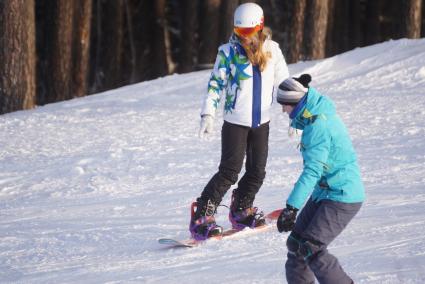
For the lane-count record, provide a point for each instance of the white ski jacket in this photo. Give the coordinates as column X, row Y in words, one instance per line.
column 247, row 92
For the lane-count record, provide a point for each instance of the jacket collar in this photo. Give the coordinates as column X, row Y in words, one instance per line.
column 299, row 107
column 236, row 44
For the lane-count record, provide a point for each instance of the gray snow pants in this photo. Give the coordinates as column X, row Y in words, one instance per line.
column 317, row 225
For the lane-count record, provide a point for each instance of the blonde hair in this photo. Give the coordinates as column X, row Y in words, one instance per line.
column 255, row 51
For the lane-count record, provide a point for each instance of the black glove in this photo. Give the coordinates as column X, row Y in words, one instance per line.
column 286, row 220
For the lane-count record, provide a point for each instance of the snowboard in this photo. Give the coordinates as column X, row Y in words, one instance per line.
column 173, row 243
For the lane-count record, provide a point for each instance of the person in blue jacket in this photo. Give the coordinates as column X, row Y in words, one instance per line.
column 330, row 185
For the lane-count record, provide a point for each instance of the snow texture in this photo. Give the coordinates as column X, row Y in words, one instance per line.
column 87, row 186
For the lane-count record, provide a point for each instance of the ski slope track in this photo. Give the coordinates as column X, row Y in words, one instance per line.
column 88, row 186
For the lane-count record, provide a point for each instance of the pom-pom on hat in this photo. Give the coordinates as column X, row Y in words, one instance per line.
column 292, row 90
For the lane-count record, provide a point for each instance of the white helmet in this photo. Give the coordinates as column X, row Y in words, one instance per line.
column 248, row 15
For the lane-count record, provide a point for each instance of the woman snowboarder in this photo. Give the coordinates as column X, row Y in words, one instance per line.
column 245, row 72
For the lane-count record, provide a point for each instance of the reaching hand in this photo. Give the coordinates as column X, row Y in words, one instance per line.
column 286, row 220
column 207, row 123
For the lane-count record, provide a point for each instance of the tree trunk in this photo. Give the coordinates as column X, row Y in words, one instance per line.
column 110, row 45
column 331, row 36
column 142, row 19
column 412, row 12
column 355, row 31
column 59, row 32
column 228, row 8
column 277, row 18
column 372, row 29
column 171, row 66
column 346, row 24
column 83, row 12
column 316, row 29
column 282, row 27
column 391, row 21
column 189, row 36
column 17, row 55
column 297, row 28
column 341, row 26
column 160, row 53
column 209, row 33
column 423, row 21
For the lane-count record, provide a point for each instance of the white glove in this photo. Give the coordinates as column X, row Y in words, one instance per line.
column 207, row 123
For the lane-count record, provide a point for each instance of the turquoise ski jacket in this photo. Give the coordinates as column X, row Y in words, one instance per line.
column 330, row 164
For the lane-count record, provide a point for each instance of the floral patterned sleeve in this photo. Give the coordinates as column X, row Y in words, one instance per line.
column 216, row 84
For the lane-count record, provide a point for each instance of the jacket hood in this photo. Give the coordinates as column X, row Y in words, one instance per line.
column 316, row 104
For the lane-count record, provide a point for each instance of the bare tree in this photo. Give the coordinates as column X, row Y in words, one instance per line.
column 159, row 47
column 412, row 14
column 331, row 45
column 228, row 7
column 140, row 25
column 315, row 29
column 83, row 12
column 297, row 31
column 189, row 35
column 110, row 40
column 355, row 27
column 209, row 33
column 278, row 18
column 281, row 25
column 17, row 55
column 372, row 28
column 127, row 41
column 161, row 40
column 344, row 26
column 423, row 21
column 58, row 50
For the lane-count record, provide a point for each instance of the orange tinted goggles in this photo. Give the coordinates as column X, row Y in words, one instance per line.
column 247, row 32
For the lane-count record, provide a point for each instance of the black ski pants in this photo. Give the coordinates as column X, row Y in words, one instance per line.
column 317, row 225
column 236, row 142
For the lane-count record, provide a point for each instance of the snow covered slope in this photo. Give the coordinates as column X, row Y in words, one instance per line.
column 87, row 186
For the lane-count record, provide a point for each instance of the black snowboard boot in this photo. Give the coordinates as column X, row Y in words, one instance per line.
column 202, row 223
column 242, row 213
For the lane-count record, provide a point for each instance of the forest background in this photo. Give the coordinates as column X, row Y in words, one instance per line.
column 55, row 50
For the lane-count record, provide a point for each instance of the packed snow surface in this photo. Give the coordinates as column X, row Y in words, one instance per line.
column 89, row 185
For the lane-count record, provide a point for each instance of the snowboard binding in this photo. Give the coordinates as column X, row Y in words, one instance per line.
column 202, row 224
column 242, row 214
